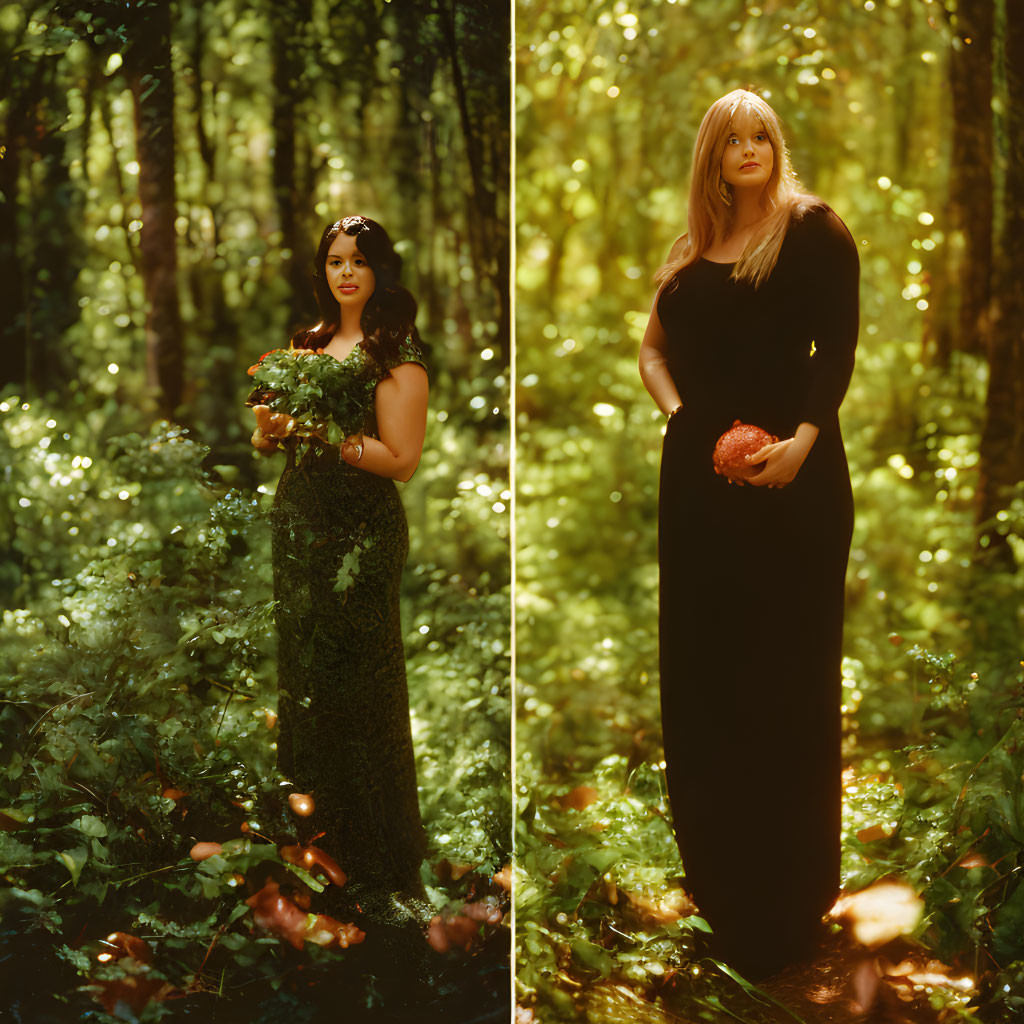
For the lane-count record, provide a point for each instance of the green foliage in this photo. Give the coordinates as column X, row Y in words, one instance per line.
column 459, row 664
column 147, row 668
column 951, row 808
column 599, row 899
column 137, row 653
column 303, row 385
column 608, row 104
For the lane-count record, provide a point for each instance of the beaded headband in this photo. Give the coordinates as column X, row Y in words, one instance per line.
column 358, row 222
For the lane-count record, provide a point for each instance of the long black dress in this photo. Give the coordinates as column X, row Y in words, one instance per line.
column 339, row 542
column 751, row 592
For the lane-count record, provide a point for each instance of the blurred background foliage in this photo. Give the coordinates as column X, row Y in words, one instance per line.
column 904, row 115
column 166, row 171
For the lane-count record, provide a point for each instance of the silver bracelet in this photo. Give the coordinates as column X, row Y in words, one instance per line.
column 358, row 445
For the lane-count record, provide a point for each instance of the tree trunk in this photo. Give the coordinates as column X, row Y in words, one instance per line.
column 906, row 106
column 215, row 406
column 1001, row 451
column 438, row 223
column 971, row 204
column 22, row 96
column 151, row 78
column 286, row 22
column 57, row 251
column 13, row 333
column 490, row 249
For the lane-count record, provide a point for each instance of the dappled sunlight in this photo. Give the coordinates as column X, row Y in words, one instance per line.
column 880, row 913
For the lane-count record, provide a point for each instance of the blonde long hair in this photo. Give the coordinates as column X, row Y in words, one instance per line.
column 710, row 217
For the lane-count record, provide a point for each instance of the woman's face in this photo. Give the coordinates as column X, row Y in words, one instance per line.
column 349, row 275
column 748, row 158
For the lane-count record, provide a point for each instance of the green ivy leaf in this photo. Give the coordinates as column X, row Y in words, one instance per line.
column 240, row 911
column 591, row 955
column 74, row 860
column 90, row 825
column 306, row 877
column 348, row 570
column 698, row 923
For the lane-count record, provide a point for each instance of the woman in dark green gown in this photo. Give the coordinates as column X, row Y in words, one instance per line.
column 339, row 543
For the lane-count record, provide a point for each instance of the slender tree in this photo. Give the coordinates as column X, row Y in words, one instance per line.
column 147, row 64
column 475, row 38
column 1001, row 463
column 288, row 21
column 971, row 202
column 14, row 332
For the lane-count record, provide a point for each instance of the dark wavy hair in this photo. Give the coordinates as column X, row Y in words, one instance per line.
column 389, row 316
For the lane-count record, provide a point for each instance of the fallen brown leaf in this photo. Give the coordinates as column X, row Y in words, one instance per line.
column 578, row 799
column 121, row 944
column 314, row 860
column 278, row 915
column 326, row 931
column 653, row 909
column 446, row 870
column 203, row 850
column 872, row 833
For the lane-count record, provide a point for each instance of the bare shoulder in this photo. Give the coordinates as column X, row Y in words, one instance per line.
column 405, row 377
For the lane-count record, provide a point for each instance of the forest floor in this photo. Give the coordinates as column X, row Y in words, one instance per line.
column 825, row 990
column 607, row 932
column 844, row 984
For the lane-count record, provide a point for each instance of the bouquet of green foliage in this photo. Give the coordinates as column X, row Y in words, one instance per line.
column 291, row 396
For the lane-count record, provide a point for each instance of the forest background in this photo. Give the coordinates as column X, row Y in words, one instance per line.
column 905, row 116
column 166, row 171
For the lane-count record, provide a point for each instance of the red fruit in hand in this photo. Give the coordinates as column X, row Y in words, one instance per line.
column 739, row 441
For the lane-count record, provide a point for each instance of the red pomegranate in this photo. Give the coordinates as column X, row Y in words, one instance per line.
column 739, row 441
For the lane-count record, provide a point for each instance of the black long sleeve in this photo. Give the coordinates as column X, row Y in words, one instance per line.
column 829, row 253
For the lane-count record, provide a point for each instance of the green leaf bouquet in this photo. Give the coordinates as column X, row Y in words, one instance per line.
column 292, row 393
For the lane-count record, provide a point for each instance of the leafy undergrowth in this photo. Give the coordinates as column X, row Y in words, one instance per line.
column 138, row 719
column 934, row 770
column 605, row 930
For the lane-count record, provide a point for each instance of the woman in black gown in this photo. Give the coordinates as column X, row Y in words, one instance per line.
column 756, row 320
column 339, row 542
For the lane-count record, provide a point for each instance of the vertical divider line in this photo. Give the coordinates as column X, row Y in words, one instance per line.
column 512, row 483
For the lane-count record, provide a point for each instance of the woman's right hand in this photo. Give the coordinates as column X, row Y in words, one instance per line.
column 262, row 443
column 741, row 474
column 271, row 429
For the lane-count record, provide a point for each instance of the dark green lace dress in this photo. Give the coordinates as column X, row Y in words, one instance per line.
column 339, row 543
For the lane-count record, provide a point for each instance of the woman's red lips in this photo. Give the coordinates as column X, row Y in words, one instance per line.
column 750, row 163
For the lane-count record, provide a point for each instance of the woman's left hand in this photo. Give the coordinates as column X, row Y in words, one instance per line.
column 782, row 461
